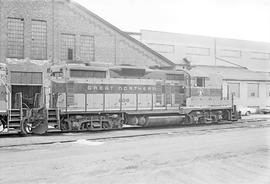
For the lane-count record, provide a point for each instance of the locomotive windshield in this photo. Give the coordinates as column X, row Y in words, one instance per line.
column 175, row 76
column 78, row 73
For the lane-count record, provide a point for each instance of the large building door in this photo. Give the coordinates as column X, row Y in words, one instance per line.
column 30, row 85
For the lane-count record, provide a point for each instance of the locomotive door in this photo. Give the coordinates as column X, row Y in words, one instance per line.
column 168, row 94
column 163, row 95
column 179, row 95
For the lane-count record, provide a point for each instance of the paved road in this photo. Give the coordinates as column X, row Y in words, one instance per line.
column 214, row 156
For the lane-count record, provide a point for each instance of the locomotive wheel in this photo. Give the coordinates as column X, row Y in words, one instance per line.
column 225, row 115
column 143, row 121
column 64, row 125
column 214, row 118
column 202, row 120
column 39, row 126
column 25, row 127
column 188, row 120
column 106, row 125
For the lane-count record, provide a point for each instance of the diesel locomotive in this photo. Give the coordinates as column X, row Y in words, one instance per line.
column 80, row 97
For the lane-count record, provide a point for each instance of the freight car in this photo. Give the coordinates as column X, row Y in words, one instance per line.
column 93, row 97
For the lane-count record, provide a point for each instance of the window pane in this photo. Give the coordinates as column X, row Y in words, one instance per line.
column 253, row 90
column 87, row 48
column 200, row 81
column 39, row 40
column 15, row 45
column 67, row 47
column 268, row 90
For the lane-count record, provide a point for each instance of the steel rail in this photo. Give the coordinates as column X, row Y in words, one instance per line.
column 190, row 131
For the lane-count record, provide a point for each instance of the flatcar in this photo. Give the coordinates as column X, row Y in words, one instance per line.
column 80, row 97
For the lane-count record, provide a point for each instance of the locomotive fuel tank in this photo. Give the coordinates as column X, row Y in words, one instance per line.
column 165, row 121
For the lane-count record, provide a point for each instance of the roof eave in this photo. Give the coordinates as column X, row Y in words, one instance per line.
column 123, row 33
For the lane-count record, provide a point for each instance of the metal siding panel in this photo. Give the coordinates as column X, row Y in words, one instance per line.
column 112, row 101
column 145, row 101
column 26, row 78
column 78, row 102
column 158, row 93
column 16, row 77
column 168, row 92
column 36, row 78
column 129, row 102
column 95, row 102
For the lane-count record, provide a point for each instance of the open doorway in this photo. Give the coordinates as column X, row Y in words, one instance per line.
column 30, row 95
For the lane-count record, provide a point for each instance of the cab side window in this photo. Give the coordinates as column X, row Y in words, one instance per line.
column 200, row 82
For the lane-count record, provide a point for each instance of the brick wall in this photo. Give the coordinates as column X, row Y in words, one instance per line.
column 110, row 45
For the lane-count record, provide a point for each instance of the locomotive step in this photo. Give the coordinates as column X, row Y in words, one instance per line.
column 52, row 119
column 52, row 113
column 14, row 125
column 15, row 115
column 14, row 110
column 15, row 120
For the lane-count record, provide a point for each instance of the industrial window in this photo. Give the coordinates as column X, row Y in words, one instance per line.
column 175, row 76
column 163, row 48
column 268, row 90
column 15, row 35
column 253, row 90
column 199, row 51
column 67, row 47
column 39, row 40
column 230, row 53
column 259, row 55
column 87, row 48
column 200, row 82
column 234, row 89
column 179, row 89
column 87, row 74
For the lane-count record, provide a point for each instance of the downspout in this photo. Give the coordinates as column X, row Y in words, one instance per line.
column 1, row 29
column 53, row 21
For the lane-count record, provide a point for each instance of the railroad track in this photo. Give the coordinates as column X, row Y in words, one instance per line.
column 146, row 132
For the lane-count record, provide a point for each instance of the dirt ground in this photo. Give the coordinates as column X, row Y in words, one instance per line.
column 214, row 156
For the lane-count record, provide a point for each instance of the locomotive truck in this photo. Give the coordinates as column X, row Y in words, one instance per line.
column 89, row 97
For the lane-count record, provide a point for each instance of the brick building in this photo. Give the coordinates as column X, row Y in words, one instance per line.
column 36, row 34
column 40, row 31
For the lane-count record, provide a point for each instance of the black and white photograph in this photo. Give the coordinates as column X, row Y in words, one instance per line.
column 134, row 92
